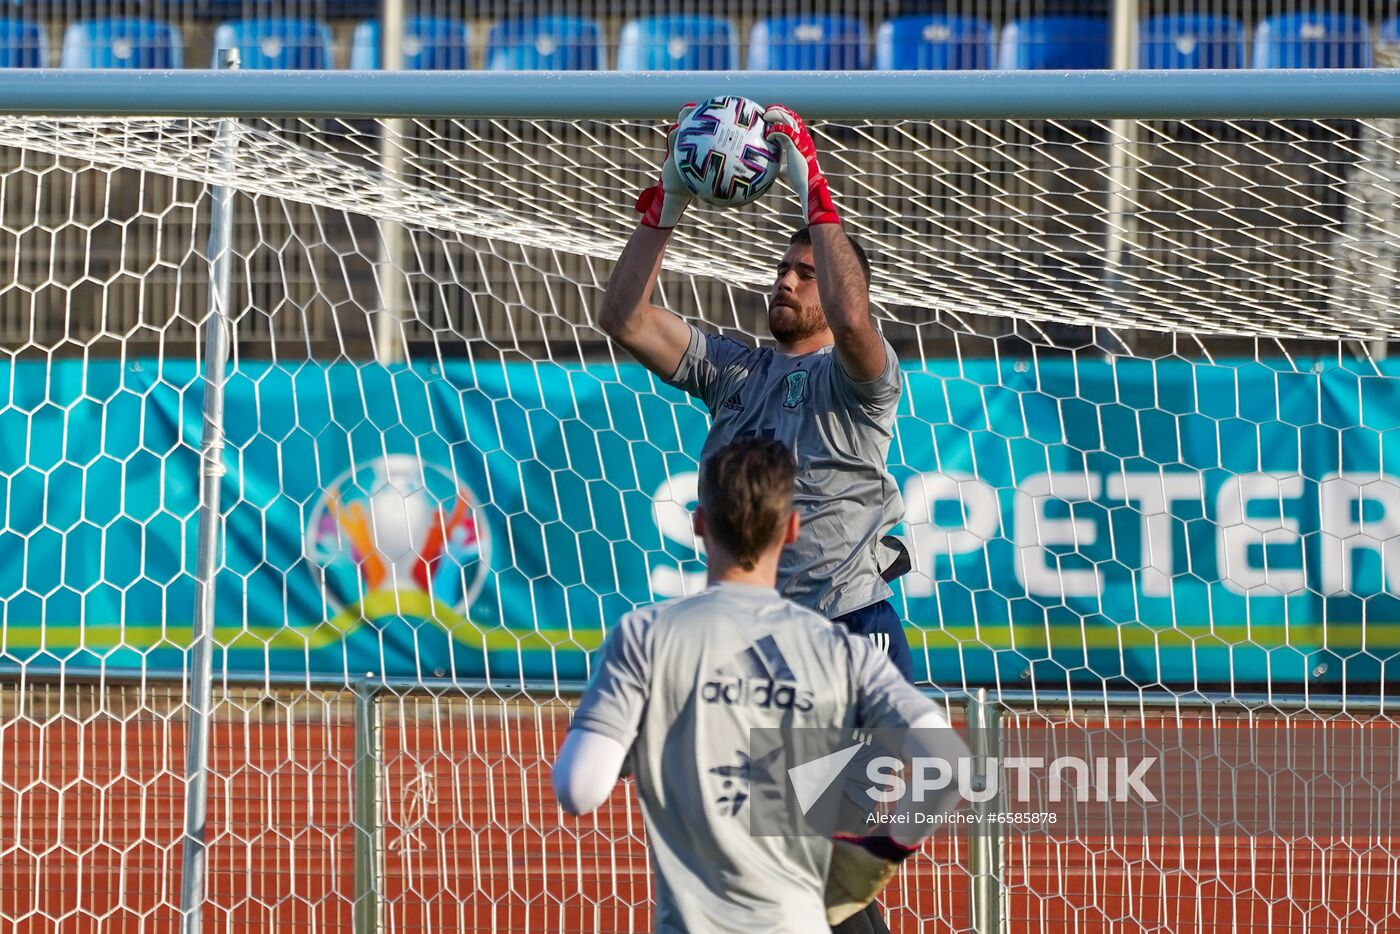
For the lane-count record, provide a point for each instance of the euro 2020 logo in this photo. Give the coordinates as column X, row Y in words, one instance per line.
column 397, row 537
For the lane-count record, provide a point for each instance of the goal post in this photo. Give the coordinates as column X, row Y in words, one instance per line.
column 954, row 95
column 1150, row 490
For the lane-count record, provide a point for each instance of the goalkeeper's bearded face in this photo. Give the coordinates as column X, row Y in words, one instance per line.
column 794, row 304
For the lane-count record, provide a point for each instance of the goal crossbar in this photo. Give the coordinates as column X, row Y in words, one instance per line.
column 1085, row 95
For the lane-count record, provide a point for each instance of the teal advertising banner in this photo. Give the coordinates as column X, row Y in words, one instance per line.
column 1141, row 523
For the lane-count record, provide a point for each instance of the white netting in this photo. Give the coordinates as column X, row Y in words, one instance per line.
column 1206, row 512
column 1277, row 229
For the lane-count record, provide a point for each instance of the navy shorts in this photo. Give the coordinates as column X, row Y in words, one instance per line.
column 881, row 624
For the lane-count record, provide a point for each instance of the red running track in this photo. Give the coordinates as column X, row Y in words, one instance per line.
column 91, row 804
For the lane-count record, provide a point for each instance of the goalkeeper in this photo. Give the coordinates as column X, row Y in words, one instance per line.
column 680, row 685
column 828, row 389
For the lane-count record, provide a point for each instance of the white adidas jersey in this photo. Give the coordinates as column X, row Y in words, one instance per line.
column 681, row 684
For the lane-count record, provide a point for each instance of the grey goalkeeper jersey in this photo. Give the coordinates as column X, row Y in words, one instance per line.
column 680, row 684
column 839, row 429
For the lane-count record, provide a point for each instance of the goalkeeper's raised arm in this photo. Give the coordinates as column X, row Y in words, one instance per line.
column 654, row 336
column 843, row 280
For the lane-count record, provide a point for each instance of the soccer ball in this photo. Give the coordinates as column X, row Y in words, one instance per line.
column 722, row 155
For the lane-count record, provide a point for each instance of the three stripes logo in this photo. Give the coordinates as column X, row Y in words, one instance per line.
column 734, row 403
column 759, row 676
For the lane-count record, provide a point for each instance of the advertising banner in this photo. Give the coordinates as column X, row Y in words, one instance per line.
column 1130, row 522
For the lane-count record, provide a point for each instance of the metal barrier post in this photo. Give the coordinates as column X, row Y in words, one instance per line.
column 987, row 890
column 368, row 762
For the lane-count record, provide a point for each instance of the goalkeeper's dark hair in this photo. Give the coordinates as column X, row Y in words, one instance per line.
column 746, row 490
column 804, row 235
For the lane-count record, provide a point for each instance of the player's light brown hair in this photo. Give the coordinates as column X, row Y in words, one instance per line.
column 746, row 492
column 803, row 235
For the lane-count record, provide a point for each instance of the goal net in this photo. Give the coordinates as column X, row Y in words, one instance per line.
column 1142, row 448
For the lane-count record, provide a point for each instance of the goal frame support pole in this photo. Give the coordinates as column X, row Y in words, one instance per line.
column 1122, row 150
column 393, row 238
column 218, row 326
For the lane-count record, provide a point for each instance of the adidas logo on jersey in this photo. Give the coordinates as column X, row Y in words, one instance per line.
column 734, row 403
column 759, row 676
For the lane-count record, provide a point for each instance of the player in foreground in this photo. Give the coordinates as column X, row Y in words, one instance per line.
column 680, row 684
column 828, row 390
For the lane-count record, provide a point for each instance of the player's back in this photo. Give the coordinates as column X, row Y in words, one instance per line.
column 721, row 663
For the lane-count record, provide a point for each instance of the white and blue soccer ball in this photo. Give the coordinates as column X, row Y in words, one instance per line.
column 722, row 154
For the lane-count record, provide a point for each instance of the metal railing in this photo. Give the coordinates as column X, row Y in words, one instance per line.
column 982, row 712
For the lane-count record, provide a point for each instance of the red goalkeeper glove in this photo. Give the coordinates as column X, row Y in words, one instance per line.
column 800, row 164
column 860, row 868
column 662, row 205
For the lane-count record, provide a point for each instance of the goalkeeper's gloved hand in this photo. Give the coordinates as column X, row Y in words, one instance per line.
column 860, row 868
column 662, row 205
column 800, row 164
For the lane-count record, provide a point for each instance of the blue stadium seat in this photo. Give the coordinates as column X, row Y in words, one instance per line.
column 284, row 44
column 545, row 43
column 934, row 43
column 1388, row 37
column 122, row 43
column 22, row 44
column 1191, row 40
column 1055, row 42
column 429, row 44
column 1312, row 40
column 678, row 43
column 810, row 42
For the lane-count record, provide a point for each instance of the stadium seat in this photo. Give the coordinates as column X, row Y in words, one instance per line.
column 22, row 44
column 545, row 43
column 122, row 43
column 429, row 44
column 1388, row 44
column 934, row 43
column 1312, row 40
column 809, row 42
column 1055, row 42
column 287, row 44
column 1191, row 40
column 678, row 43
